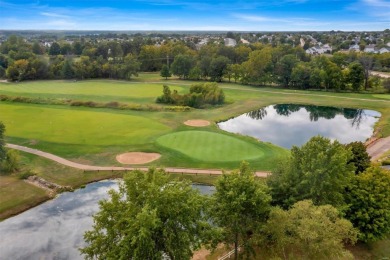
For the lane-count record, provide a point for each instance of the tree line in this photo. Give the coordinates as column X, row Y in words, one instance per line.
column 258, row 64
column 323, row 196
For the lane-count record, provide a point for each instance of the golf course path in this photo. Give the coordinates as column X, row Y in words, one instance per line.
column 378, row 148
column 116, row 168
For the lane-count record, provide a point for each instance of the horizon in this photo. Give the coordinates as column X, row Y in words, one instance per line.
column 199, row 16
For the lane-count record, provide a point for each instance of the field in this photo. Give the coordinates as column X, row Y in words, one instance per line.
column 96, row 135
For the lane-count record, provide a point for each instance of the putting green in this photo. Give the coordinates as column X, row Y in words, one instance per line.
column 77, row 126
column 210, row 147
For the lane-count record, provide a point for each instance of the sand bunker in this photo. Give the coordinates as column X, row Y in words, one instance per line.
column 137, row 158
column 197, row 123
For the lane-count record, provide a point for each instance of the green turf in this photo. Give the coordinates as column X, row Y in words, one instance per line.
column 89, row 90
column 211, row 147
column 77, row 127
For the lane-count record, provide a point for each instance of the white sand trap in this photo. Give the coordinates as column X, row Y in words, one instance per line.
column 137, row 158
column 197, row 123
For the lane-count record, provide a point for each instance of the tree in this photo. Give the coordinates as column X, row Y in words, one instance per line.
column 360, row 158
column 218, row 67
column 368, row 198
column 301, row 75
column 67, row 69
column 367, row 63
column 355, row 75
column 55, row 49
column 284, row 68
column 308, row 232
column 319, row 171
column 182, row 66
column 2, row 142
column 17, row 70
column 150, row 217
column 36, row 48
column 165, row 73
column 240, row 206
column 129, row 67
column 386, row 84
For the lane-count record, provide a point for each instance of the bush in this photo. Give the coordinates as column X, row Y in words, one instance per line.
column 11, row 162
column 24, row 175
column 200, row 96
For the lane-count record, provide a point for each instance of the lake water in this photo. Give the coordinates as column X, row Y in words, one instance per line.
column 54, row 229
column 287, row 125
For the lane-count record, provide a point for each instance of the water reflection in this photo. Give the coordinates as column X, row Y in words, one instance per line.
column 290, row 124
column 54, row 230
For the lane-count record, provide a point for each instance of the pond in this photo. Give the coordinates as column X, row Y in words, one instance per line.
column 288, row 124
column 54, row 229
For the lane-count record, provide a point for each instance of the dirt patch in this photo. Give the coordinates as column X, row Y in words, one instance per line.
column 197, row 123
column 3, row 81
column 137, row 158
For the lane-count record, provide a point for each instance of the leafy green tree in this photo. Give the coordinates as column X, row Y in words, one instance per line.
column 355, row 75
column 284, row 68
column 130, row 67
column 240, row 206
column 182, row 66
column 166, row 97
column 368, row 198
column 360, row 158
column 36, row 48
column 195, row 73
column 319, row 171
column 67, row 69
column 308, row 232
column 55, row 49
column 301, row 75
column 386, row 84
column 18, row 70
column 218, row 67
column 165, row 73
column 150, row 217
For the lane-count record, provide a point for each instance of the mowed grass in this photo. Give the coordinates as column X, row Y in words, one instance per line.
column 88, row 90
column 17, row 196
column 210, row 147
column 77, row 127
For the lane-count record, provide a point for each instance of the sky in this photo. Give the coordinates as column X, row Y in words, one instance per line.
column 199, row 15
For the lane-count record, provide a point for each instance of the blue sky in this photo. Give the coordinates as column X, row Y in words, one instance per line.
column 228, row 15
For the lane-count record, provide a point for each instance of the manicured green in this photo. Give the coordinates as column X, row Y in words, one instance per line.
column 211, row 147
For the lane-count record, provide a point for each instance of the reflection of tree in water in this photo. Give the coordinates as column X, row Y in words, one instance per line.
column 257, row 114
column 356, row 115
column 316, row 112
column 286, row 109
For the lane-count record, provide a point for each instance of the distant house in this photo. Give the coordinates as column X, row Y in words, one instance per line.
column 354, row 47
column 319, row 49
column 302, row 41
column 229, row 42
column 384, row 50
column 244, row 41
column 371, row 49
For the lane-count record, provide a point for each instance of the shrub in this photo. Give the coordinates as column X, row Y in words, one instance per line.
column 25, row 174
column 11, row 162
